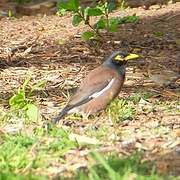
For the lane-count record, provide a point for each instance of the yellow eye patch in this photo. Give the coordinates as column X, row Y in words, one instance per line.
column 119, row 58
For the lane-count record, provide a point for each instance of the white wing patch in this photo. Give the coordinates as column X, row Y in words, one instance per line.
column 97, row 94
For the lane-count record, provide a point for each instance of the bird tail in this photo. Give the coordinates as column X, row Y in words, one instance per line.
column 69, row 107
column 61, row 114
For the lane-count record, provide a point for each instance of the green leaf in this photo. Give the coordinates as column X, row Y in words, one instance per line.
column 110, row 7
column 113, row 24
column 158, row 34
column 17, row 101
column 76, row 20
column 70, row 5
column 61, row 12
column 31, row 112
column 94, row 12
column 26, row 82
column 101, row 24
column 87, row 35
column 82, row 9
column 102, row 7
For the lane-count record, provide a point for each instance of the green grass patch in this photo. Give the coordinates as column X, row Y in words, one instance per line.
column 116, row 168
column 136, row 97
column 23, row 153
column 120, row 110
column 12, row 176
column 124, row 109
column 99, row 133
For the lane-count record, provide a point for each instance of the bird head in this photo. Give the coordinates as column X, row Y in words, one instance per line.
column 118, row 59
column 121, row 58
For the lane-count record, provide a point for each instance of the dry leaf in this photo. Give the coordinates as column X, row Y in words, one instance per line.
column 83, row 139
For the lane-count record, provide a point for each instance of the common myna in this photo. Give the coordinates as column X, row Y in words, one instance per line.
column 99, row 87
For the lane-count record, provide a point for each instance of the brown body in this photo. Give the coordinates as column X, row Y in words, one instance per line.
column 97, row 79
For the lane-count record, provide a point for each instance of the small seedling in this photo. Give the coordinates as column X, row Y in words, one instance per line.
column 158, row 34
column 21, row 102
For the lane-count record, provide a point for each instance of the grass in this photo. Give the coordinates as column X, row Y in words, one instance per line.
column 120, row 110
column 125, row 109
column 116, row 168
column 136, row 97
column 110, row 167
column 24, row 153
column 21, row 155
column 39, row 151
column 13, row 176
column 99, row 133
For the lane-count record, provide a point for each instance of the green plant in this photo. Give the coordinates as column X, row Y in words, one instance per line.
column 101, row 10
column 136, row 97
column 21, row 102
column 122, row 5
column 115, row 168
column 120, row 110
column 23, row 153
column 158, row 34
column 99, row 133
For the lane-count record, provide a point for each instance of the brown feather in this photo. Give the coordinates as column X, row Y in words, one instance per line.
column 98, row 78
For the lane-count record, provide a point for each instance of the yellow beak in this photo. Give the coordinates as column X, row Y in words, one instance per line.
column 131, row 57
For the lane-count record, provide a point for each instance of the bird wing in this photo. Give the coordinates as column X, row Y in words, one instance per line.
column 93, row 86
column 96, row 83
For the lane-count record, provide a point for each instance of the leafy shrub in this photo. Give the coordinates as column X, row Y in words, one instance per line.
column 101, row 10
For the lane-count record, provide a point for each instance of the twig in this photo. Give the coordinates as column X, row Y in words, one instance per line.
column 168, row 18
column 87, row 23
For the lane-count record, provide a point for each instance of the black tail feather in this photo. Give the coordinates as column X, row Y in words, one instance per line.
column 61, row 114
column 69, row 107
